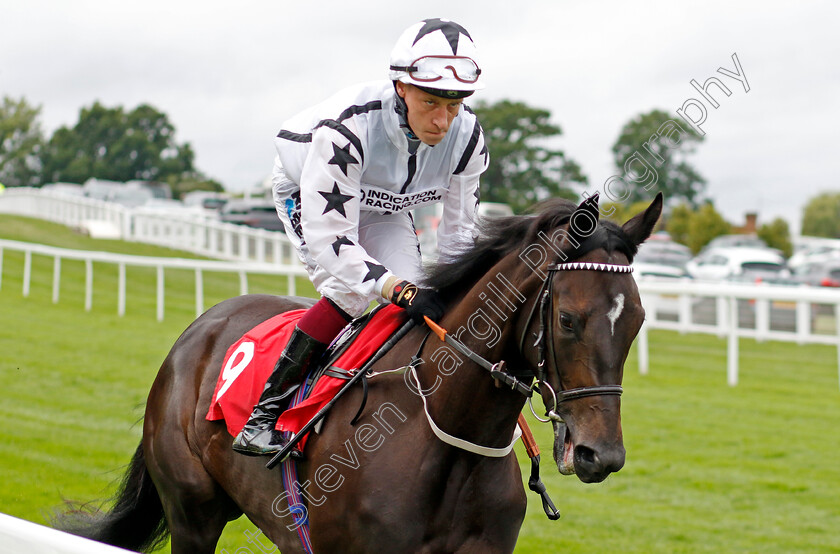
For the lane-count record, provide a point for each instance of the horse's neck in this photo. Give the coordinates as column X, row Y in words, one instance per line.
column 466, row 401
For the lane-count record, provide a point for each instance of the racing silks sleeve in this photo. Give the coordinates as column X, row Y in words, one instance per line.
column 330, row 201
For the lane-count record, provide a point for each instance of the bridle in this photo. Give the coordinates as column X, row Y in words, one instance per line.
column 545, row 332
column 541, row 306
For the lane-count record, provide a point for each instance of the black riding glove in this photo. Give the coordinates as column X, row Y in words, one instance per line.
column 417, row 301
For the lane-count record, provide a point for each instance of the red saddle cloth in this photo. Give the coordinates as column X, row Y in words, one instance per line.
column 250, row 360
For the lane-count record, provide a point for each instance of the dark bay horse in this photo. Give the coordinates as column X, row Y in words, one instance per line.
column 388, row 483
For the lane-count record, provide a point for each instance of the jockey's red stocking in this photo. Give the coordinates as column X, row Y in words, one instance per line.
column 323, row 321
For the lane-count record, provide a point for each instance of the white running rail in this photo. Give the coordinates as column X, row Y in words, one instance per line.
column 805, row 308
column 800, row 314
column 124, row 260
column 19, row 535
column 197, row 234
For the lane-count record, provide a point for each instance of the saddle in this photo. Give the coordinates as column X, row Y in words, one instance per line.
column 250, row 360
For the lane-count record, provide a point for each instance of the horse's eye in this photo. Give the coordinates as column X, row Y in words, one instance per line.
column 567, row 323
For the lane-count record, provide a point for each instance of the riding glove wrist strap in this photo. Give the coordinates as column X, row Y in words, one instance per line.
column 418, row 302
column 388, row 287
column 404, row 293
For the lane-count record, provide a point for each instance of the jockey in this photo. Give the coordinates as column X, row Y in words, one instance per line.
column 346, row 174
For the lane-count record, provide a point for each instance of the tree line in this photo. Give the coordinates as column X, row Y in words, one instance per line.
column 650, row 154
column 106, row 143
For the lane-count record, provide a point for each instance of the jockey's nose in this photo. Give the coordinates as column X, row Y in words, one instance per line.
column 440, row 118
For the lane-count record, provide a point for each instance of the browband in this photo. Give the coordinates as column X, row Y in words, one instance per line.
column 592, row 266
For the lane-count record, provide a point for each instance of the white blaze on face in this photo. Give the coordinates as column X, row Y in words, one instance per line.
column 615, row 313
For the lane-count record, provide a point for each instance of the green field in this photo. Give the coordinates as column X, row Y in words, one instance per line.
column 710, row 468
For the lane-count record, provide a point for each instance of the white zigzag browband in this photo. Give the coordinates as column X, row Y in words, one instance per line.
column 592, row 266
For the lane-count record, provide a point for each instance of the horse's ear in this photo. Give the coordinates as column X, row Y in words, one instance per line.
column 640, row 226
column 590, row 205
column 584, row 219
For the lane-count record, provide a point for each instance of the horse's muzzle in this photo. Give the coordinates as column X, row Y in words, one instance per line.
column 592, row 463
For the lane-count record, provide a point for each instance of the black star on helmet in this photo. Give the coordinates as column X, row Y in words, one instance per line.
column 342, row 157
column 335, row 200
column 375, row 271
column 339, row 242
column 451, row 30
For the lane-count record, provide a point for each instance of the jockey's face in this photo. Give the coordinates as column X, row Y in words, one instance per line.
column 429, row 116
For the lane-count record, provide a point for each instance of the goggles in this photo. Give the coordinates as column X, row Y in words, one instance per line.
column 429, row 69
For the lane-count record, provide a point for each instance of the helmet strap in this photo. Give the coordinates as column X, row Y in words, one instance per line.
column 402, row 112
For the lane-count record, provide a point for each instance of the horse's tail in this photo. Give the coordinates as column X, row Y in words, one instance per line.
column 136, row 520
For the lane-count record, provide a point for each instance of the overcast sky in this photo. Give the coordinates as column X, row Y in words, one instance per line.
column 229, row 73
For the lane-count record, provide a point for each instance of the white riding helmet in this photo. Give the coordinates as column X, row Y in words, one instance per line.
column 438, row 56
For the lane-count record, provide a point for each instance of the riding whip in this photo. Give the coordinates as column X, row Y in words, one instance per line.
column 361, row 373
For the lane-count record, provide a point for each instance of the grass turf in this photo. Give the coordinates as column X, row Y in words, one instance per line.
column 710, row 468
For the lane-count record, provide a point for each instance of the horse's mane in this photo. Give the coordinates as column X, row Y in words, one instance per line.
column 501, row 236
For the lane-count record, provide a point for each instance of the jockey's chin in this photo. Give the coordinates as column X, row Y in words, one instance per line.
column 431, row 137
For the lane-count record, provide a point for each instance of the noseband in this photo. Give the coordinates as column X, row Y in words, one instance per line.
column 546, row 328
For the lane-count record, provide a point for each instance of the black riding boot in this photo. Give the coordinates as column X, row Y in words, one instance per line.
column 259, row 437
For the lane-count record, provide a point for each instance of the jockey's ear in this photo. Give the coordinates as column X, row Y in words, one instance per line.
column 641, row 226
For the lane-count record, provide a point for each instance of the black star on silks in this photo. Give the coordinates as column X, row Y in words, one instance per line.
column 342, row 157
column 339, row 242
column 335, row 200
column 375, row 271
column 477, row 195
column 485, row 152
column 451, row 30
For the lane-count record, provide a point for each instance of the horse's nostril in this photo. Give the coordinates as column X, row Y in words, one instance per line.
column 594, row 466
column 585, row 456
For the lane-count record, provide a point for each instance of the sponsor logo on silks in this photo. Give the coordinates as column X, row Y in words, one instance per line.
column 379, row 200
column 293, row 213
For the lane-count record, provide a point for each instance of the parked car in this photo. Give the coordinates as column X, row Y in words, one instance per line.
column 736, row 241
column 169, row 207
column 206, row 200
column 658, row 267
column 662, row 258
column 739, row 241
column 663, row 243
column 257, row 213
column 737, row 263
column 814, row 255
column 120, row 193
column 826, row 274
